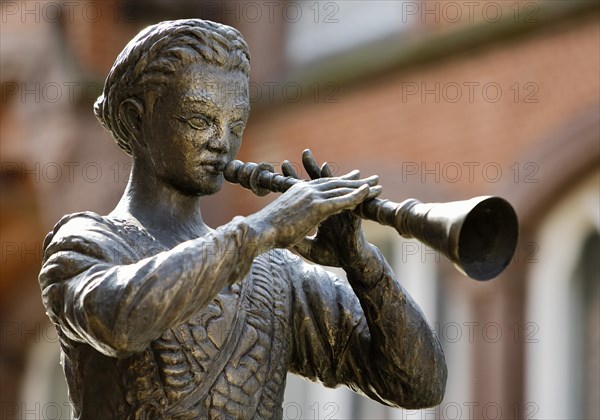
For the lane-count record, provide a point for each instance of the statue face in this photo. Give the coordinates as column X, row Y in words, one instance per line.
column 196, row 127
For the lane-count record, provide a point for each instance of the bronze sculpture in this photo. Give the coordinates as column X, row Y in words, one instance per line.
column 160, row 316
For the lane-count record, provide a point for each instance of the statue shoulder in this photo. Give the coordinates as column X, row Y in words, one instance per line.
column 84, row 232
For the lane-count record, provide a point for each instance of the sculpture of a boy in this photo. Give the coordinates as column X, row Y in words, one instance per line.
column 160, row 316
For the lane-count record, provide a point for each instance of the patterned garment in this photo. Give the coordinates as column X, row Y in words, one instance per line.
column 147, row 332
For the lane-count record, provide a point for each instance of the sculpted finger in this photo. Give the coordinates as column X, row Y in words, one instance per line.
column 289, row 170
column 354, row 174
column 336, row 192
column 372, row 180
column 326, row 170
column 324, row 184
column 348, row 201
column 374, row 192
column 310, row 164
column 332, row 183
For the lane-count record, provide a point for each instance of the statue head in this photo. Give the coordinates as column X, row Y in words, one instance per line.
column 150, row 60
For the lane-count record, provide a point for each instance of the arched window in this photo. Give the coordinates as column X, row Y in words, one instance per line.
column 587, row 326
column 562, row 367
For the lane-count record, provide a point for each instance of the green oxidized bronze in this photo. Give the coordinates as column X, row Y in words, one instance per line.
column 160, row 316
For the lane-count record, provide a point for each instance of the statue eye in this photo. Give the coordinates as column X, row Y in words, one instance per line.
column 237, row 129
column 198, row 122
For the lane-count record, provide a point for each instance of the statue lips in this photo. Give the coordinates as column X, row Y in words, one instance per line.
column 213, row 166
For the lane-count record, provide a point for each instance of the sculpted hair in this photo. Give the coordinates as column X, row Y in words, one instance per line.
column 148, row 61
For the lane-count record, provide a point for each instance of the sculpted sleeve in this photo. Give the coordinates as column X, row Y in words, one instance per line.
column 98, row 289
column 375, row 341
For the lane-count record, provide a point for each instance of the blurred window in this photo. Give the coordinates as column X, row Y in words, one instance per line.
column 562, row 368
column 587, row 278
column 316, row 29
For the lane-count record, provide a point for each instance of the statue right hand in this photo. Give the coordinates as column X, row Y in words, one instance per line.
column 300, row 209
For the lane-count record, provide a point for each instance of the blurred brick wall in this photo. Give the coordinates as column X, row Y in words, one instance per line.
column 513, row 96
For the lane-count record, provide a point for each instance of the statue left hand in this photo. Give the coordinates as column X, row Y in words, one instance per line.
column 339, row 241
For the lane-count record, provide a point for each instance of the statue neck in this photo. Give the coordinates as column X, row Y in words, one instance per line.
column 165, row 212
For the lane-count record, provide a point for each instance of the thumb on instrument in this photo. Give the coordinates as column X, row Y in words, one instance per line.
column 315, row 251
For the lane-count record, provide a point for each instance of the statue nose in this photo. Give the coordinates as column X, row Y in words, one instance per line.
column 218, row 143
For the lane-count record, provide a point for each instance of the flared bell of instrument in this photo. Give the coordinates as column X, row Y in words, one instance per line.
column 478, row 235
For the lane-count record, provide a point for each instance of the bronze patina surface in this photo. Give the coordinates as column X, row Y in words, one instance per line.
column 160, row 316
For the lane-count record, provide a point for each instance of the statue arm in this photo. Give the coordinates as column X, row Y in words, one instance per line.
column 99, row 293
column 366, row 333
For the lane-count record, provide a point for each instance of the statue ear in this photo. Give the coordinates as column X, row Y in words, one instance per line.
column 130, row 114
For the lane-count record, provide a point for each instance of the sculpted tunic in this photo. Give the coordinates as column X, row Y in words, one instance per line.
column 140, row 338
